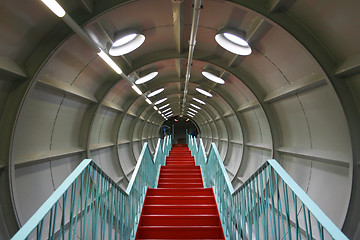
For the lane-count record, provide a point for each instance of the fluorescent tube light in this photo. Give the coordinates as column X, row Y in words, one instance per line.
column 55, row 7
column 110, row 62
column 136, row 89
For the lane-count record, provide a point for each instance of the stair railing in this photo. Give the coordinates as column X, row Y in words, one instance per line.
column 89, row 204
column 269, row 205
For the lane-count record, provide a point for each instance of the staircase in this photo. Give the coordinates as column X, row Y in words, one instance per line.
column 180, row 208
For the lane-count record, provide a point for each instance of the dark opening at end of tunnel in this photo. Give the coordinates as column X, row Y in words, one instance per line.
column 179, row 126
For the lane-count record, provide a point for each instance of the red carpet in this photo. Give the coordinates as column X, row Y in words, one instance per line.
column 180, row 208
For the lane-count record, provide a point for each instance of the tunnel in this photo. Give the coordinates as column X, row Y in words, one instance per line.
column 294, row 98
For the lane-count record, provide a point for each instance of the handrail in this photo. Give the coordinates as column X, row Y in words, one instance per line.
column 269, row 205
column 96, row 206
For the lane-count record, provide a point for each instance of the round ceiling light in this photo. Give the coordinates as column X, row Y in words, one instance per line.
column 168, row 109
column 212, row 77
column 193, row 110
column 199, row 101
column 233, row 41
column 147, row 77
column 204, row 92
column 160, row 101
column 195, row 106
column 164, row 106
column 156, row 92
column 127, row 41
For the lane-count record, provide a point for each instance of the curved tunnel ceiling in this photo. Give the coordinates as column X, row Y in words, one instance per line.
column 295, row 98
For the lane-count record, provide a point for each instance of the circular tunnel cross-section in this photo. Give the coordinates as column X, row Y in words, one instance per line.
column 295, row 98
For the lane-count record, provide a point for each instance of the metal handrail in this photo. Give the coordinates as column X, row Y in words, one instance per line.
column 93, row 205
column 268, row 205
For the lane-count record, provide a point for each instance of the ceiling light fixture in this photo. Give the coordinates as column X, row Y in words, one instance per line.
column 146, row 77
column 127, row 41
column 164, row 106
column 55, row 7
column 193, row 110
column 213, row 78
column 166, row 110
column 190, row 114
column 213, row 75
column 109, row 61
column 187, row 120
column 233, row 41
column 199, row 101
column 166, row 114
column 160, row 101
column 169, row 115
column 148, row 101
column 195, row 106
column 176, row 120
column 155, row 108
column 156, row 92
column 204, row 92
column 136, row 89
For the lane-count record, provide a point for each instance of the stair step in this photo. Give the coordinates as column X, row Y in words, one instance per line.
column 183, row 169
column 177, row 163
column 180, row 185
column 180, row 168
column 181, row 180
column 183, row 220
column 179, row 174
column 179, row 192
column 179, row 209
column 170, row 200
column 187, row 159
column 180, row 232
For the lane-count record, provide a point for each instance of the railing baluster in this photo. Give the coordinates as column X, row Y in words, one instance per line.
column 296, row 215
column 39, row 229
column 310, row 229
column 287, row 209
column 305, row 221
column 62, row 224
column 54, row 222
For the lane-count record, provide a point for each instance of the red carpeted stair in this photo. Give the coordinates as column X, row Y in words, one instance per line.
column 180, row 208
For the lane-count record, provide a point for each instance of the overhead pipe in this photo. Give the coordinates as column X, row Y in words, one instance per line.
column 192, row 42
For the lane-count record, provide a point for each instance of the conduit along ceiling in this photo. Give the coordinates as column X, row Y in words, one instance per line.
column 70, row 90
